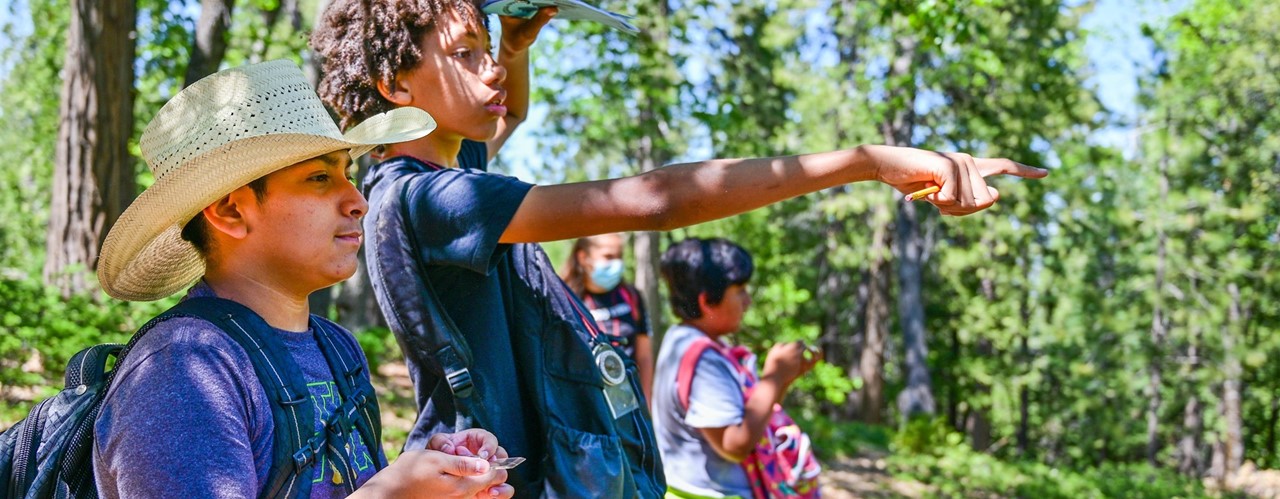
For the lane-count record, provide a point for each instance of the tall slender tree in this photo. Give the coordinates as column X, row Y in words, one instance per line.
column 94, row 173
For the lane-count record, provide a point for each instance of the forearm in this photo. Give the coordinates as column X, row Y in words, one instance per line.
column 739, row 440
column 680, row 195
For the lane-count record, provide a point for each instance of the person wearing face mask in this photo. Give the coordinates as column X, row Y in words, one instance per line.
column 594, row 271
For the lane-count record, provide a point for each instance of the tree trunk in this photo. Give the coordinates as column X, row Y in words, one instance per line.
column 1233, row 443
column 1271, row 432
column 976, row 424
column 840, row 339
column 94, row 173
column 1190, row 456
column 210, row 44
column 917, row 396
column 1159, row 328
column 1024, row 407
column 647, row 248
column 844, row 332
column 876, row 330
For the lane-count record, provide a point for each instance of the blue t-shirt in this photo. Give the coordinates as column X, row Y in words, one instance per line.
column 715, row 401
column 187, row 417
column 533, row 371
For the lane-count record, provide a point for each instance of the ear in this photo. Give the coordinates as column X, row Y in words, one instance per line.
column 395, row 92
column 581, row 257
column 226, row 216
column 704, row 305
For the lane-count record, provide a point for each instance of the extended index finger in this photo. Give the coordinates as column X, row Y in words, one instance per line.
column 992, row 166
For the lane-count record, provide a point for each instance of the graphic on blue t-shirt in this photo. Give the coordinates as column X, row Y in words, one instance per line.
column 325, row 399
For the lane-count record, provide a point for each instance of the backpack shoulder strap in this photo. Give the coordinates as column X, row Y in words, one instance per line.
column 359, row 402
column 419, row 319
column 689, row 364
column 628, row 297
column 295, row 444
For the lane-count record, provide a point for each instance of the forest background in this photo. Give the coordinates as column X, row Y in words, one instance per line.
column 1108, row 331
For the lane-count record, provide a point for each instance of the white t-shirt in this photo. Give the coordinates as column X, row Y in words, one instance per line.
column 715, row 401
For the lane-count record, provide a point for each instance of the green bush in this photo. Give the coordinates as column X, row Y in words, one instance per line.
column 834, row 439
column 379, row 346
column 955, row 470
column 923, row 435
column 36, row 318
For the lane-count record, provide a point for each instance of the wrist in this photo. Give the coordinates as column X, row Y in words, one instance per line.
column 506, row 51
column 865, row 165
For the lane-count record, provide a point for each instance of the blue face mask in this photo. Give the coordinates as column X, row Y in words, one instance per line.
column 607, row 273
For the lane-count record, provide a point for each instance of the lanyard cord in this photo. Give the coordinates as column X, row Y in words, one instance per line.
column 573, row 303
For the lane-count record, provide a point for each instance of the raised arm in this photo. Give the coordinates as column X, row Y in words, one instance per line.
column 691, row 193
column 513, row 55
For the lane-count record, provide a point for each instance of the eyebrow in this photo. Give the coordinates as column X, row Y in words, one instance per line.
column 335, row 159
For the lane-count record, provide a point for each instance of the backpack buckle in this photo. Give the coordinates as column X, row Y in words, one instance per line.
column 459, row 382
column 304, row 457
column 455, row 371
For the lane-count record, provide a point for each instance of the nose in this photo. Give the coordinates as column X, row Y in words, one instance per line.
column 354, row 204
column 496, row 74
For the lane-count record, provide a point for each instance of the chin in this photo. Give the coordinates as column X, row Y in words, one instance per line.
column 484, row 134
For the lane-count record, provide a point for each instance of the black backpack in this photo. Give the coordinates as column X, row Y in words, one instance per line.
column 50, row 452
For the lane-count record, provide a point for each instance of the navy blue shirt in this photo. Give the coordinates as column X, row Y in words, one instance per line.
column 532, row 366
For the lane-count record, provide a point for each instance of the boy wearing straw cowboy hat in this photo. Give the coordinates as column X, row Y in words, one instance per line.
column 252, row 204
column 537, row 384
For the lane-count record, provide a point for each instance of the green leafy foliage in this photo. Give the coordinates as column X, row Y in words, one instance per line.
column 37, row 318
column 958, row 471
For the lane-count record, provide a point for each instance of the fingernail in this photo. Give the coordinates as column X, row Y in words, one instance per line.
column 481, row 466
column 493, row 492
column 484, row 454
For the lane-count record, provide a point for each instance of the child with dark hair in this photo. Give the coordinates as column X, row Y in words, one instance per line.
column 544, row 379
column 705, row 436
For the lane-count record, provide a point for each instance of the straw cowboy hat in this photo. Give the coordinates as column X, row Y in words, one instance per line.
column 215, row 136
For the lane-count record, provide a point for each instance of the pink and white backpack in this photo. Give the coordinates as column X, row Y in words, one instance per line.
column 782, row 464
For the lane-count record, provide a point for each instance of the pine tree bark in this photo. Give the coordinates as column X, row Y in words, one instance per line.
column 917, row 397
column 1233, row 443
column 1190, row 459
column 976, row 424
column 839, row 339
column 93, row 171
column 845, row 336
column 876, row 320
column 210, row 44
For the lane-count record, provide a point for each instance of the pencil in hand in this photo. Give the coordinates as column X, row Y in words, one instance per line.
column 920, row 194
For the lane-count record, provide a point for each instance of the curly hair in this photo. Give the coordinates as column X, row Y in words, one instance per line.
column 363, row 42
